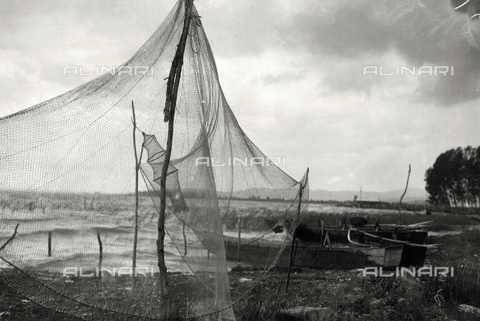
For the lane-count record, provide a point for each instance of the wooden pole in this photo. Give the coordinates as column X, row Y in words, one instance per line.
column 292, row 246
column 100, row 255
column 137, row 169
column 49, row 243
column 208, row 244
column 300, row 195
column 401, row 198
column 169, row 113
column 321, row 235
column 239, row 237
column 184, row 239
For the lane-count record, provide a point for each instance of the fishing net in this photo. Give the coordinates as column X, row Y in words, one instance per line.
column 68, row 227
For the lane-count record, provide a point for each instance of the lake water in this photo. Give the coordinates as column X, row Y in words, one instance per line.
column 75, row 245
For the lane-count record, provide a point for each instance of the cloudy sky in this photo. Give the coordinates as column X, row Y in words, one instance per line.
column 293, row 72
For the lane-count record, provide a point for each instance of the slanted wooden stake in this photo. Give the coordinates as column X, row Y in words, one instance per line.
column 100, row 254
column 300, row 195
column 293, row 236
column 184, row 240
column 169, row 113
column 11, row 237
column 406, row 187
column 137, row 169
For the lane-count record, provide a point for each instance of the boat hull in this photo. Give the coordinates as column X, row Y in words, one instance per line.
column 262, row 253
column 316, row 257
column 339, row 236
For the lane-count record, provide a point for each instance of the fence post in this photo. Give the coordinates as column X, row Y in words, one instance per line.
column 184, row 239
column 49, row 243
column 100, row 258
column 239, row 237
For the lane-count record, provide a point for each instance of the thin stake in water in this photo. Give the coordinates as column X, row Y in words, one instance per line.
column 49, row 244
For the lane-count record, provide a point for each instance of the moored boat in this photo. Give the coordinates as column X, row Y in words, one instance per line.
column 263, row 253
column 315, row 257
column 339, row 235
column 414, row 233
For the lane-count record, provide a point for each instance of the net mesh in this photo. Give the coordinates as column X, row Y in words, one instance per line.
column 68, row 181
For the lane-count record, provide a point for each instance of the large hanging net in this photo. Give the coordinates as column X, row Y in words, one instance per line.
column 69, row 233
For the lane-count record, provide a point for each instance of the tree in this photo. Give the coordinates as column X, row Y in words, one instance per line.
column 472, row 173
column 454, row 178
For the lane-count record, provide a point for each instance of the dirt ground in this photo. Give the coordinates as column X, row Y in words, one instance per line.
column 14, row 306
column 350, row 296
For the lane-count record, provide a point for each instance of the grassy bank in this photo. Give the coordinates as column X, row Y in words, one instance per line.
column 350, row 296
column 347, row 294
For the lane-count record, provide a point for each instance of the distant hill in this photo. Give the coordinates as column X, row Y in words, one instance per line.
column 412, row 195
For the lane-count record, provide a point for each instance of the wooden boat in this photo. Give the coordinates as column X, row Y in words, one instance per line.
column 413, row 254
column 262, row 253
column 414, row 233
column 339, row 236
column 315, row 257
